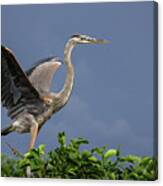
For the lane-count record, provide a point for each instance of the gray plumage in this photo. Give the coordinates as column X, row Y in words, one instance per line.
column 17, row 92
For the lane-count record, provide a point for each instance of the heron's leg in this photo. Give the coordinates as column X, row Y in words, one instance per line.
column 34, row 132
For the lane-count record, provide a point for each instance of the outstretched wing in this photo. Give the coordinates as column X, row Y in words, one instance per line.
column 17, row 93
column 41, row 74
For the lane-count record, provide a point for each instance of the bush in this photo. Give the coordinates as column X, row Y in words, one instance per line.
column 68, row 161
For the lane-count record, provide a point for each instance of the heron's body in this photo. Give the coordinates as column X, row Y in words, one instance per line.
column 27, row 96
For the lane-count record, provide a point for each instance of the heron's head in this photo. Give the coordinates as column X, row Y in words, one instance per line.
column 85, row 39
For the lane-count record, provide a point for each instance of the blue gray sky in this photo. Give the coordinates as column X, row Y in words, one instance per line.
column 112, row 99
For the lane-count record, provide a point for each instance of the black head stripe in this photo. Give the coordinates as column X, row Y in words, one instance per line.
column 76, row 35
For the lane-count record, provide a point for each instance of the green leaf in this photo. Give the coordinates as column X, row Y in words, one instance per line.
column 86, row 153
column 110, row 153
column 145, row 160
column 62, row 139
column 24, row 163
column 112, row 176
column 72, row 171
column 134, row 176
column 93, row 159
column 41, row 149
column 99, row 150
column 133, row 159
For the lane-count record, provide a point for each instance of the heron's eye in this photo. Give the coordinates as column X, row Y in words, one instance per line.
column 82, row 38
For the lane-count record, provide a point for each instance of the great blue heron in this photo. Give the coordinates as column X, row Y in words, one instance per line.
column 26, row 95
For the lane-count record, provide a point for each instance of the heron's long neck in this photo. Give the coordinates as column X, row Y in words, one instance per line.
column 68, row 85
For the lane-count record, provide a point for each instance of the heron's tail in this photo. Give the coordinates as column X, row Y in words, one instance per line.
column 7, row 130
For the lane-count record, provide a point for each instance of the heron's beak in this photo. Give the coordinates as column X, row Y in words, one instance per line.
column 99, row 41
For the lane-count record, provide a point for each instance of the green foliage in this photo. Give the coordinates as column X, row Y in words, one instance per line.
column 68, row 161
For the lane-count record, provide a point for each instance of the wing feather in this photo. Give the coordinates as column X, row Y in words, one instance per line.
column 16, row 90
column 42, row 73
